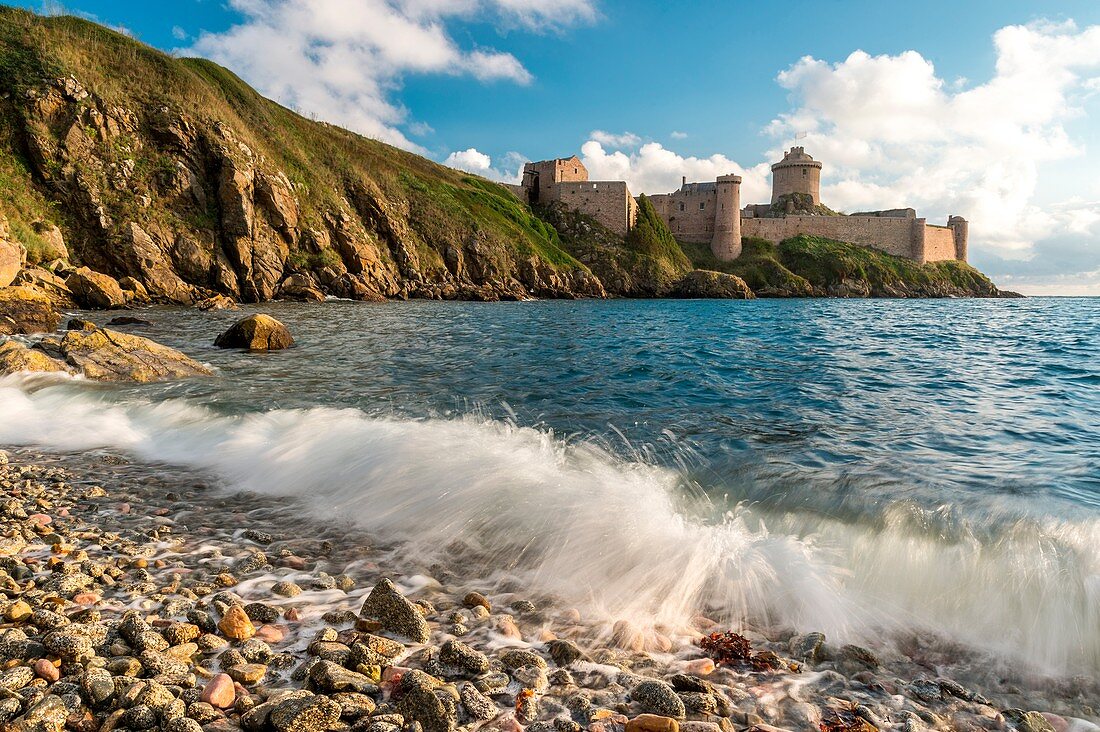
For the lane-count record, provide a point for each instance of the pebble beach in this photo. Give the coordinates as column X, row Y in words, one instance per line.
column 137, row 597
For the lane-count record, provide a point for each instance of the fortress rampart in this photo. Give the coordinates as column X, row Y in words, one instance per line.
column 711, row 213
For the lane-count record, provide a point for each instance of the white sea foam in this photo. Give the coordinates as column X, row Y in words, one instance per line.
column 616, row 537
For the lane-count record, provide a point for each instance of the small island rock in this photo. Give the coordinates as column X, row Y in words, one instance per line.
column 256, row 333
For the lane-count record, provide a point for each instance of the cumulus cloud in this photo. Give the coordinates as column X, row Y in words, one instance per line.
column 893, row 132
column 344, row 59
column 625, row 139
column 473, row 160
column 653, row 168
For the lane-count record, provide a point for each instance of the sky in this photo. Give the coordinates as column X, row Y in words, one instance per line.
column 989, row 109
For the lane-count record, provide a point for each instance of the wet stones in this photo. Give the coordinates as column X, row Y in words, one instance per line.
column 422, row 700
column 564, row 652
column 236, row 625
column 395, row 613
column 459, row 659
column 652, row 723
column 219, row 692
column 331, row 677
column 306, row 713
column 657, row 697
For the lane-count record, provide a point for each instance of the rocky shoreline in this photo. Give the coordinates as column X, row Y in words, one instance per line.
column 137, row 597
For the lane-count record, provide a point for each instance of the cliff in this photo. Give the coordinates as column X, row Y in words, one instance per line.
column 177, row 174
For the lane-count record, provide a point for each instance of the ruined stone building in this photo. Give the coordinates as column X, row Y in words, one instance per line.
column 711, row 212
column 566, row 180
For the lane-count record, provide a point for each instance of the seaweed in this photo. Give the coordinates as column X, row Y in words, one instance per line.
column 731, row 649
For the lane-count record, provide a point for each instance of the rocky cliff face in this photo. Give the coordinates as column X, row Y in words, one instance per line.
column 187, row 209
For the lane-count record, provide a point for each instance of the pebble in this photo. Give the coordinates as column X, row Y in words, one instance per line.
column 236, row 625
column 46, row 670
column 219, row 691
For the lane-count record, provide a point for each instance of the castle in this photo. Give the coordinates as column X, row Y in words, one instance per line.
column 711, row 212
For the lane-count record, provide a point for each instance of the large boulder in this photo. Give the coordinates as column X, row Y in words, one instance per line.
column 703, row 283
column 12, row 254
column 108, row 355
column 257, row 333
column 26, row 310
column 16, row 357
column 95, row 290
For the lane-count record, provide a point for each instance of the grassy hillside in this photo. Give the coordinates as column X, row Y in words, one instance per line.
column 329, row 170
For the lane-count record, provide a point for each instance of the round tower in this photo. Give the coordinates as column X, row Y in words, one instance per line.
column 960, row 229
column 726, row 242
column 797, row 172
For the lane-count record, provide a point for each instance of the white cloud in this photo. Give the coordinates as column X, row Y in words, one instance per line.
column 179, row 33
column 677, row 135
column 653, row 168
column 626, row 139
column 893, row 133
column 343, row 60
column 473, row 160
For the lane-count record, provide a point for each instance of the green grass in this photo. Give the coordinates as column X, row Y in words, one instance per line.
column 759, row 266
column 651, row 237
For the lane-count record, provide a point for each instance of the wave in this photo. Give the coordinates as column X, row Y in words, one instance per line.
column 622, row 538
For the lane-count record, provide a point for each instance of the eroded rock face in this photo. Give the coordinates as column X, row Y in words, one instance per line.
column 702, row 283
column 256, row 333
column 12, row 254
column 26, row 310
column 95, row 290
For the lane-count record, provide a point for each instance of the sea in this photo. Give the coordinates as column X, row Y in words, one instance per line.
column 863, row 468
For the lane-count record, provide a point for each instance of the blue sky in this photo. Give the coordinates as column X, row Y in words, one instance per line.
column 988, row 109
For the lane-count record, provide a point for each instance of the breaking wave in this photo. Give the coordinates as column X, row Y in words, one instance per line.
column 622, row 538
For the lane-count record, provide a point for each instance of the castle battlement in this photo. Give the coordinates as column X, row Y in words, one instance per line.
column 710, row 212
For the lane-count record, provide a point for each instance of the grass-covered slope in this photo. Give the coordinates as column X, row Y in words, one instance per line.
column 810, row 266
column 98, row 132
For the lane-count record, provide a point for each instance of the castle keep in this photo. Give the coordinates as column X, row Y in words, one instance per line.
column 711, row 212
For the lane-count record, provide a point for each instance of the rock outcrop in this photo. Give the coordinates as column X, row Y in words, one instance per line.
column 12, row 254
column 100, row 354
column 16, row 357
column 256, row 333
column 95, row 290
column 26, row 310
column 702, row 283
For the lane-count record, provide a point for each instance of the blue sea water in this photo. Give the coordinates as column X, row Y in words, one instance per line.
column 852, row 465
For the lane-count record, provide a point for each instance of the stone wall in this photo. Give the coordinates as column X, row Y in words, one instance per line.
column 892, row 235
column 689, row 212
column 902, row 237
column 939, row 244
column 609, row 202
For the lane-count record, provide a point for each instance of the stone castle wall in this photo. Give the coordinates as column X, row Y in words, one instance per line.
column 689, row 212
column 796, row 179
column 903, row 237
column 893, row 236
column 939, row 244
column 609, row 202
